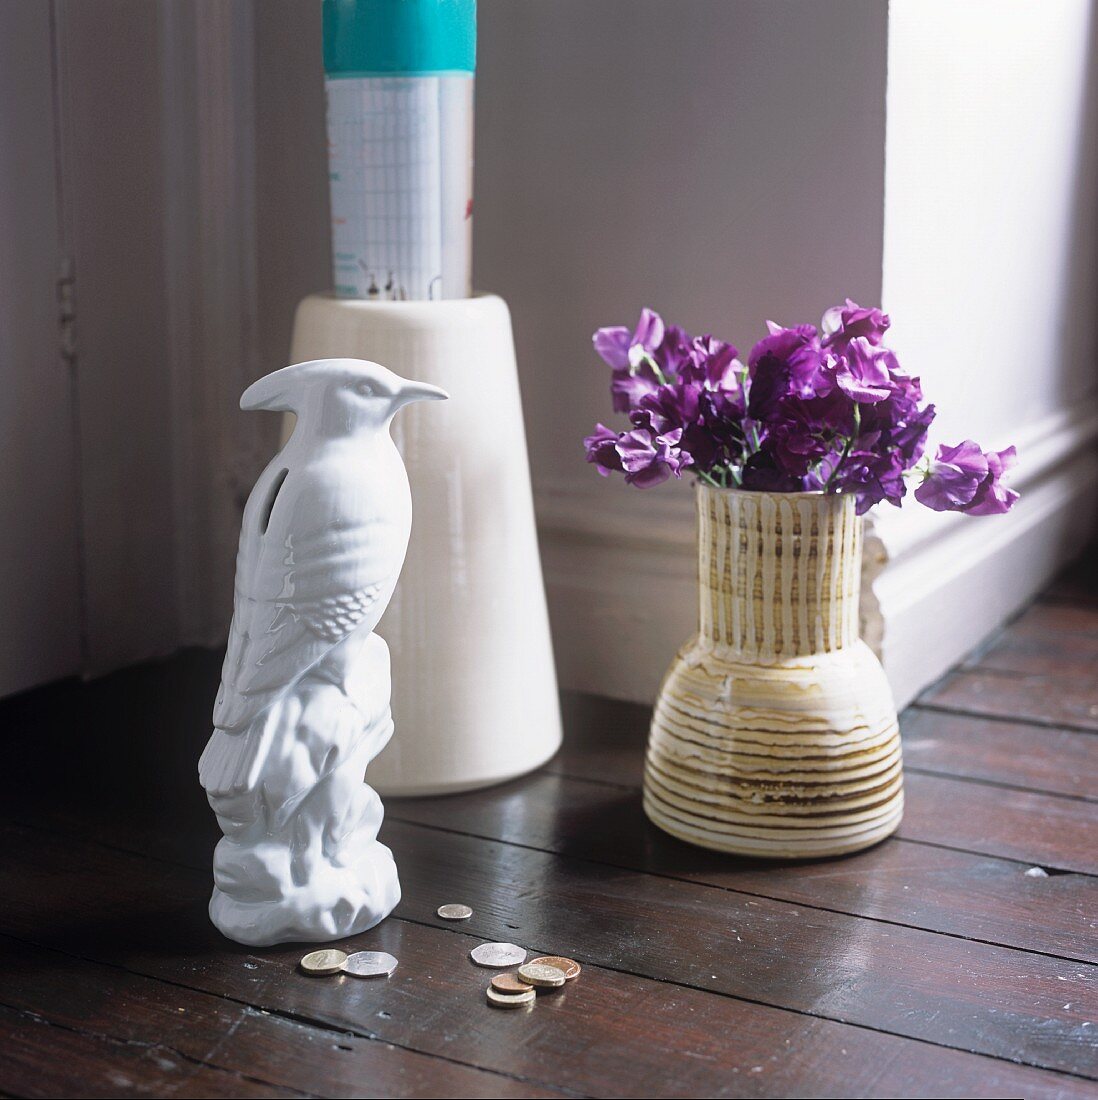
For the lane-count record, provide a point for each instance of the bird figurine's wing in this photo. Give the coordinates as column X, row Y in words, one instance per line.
column 297, row 596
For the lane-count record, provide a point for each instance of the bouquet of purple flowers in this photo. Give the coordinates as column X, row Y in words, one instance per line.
column 819, row 410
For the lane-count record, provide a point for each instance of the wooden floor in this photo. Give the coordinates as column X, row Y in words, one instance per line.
column 956, row 959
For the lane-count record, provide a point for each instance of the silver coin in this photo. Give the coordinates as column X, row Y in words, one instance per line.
column 536, row 973
column 328, row 960
column 370, row 964
column 509, row 1000
column 455, row 912
column 497, row 955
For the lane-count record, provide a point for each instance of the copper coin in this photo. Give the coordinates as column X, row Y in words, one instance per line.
column 509, row 983
column 569, row 967
column 510, row 1000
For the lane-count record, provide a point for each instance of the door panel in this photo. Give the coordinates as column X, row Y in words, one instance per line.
column 39, row 580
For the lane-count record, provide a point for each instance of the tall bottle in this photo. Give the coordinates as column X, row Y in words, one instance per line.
column 399, row 78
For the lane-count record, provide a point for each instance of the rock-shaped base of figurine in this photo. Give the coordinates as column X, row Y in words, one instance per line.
column 300, row 859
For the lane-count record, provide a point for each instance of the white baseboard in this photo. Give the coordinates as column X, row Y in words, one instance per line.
column 936, row 584
column 620, row 567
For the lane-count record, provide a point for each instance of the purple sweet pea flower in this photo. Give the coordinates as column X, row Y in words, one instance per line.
column 673, row 406
column 841, row 324
column 613, row 344
column 628, row 389
column 678, row 407
column 862, row 372
column 674, row 353
column 992, row 497
column 705, row 401
column 953, row 478
column 626, row 354
column 648, row 458
column 908, row 431
column 761, row 473
column 785, row 344
column 966, row 479
column 786, row 364
column 712, row 363
column 827, row 411
column 644, row 455
column 796, row 448
column 602, row 450
column 873, row 472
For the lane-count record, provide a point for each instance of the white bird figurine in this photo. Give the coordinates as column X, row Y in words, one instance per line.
column 304, row 700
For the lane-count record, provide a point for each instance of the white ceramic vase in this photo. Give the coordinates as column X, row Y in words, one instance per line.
column 475, row 692
column 775, row 733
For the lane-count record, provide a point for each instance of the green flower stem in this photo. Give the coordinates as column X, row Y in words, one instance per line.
column 921, row 469
column 846, row 447
column 660, row 376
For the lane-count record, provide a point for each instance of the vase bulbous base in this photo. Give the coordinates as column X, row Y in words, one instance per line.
column 789, row 761
column 775, row 733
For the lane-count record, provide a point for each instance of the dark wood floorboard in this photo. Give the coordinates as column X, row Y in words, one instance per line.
column 1042, row 829
column 1042, row 668
column 1034, row 758
column 957, row 959
column 39, row 1058
column 916, row 885
column 1065, row 700
column 1045, row 640
column 616, row 921
column 116, row 1008
column 651, row 1035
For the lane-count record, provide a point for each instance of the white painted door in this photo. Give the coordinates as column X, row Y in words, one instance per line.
column 39, row 579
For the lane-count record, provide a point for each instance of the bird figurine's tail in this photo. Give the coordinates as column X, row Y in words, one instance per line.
column 232, row 763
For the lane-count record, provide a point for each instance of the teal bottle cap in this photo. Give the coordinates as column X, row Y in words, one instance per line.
column 407, row 37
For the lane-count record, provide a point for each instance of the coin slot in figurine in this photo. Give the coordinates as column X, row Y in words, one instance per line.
column 303, row 705
column 275, row 490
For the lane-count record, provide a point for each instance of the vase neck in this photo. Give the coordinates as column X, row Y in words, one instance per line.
column 778, row 573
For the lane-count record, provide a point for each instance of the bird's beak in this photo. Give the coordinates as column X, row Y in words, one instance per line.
column 270, row 392
column 419, row 391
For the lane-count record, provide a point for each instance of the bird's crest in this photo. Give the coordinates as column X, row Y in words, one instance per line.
column 294, row 388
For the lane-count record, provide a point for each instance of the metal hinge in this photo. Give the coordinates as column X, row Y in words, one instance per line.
column 66, row 309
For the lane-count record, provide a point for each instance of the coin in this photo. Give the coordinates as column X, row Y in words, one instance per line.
column 370, row 964
column 455, row 912
column 509, row 983
column 328, row 961
column 570, row 967
column 540, row 974
column 510, row 1000
column 497, row 955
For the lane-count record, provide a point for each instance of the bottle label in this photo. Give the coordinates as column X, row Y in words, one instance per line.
column 400, row 164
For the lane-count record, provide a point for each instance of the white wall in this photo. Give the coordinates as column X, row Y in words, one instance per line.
column 991, row 277
column 721, row 162
column 991, row 208
column 724, row 163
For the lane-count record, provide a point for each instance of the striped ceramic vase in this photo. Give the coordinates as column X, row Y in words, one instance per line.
column 775, row 733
